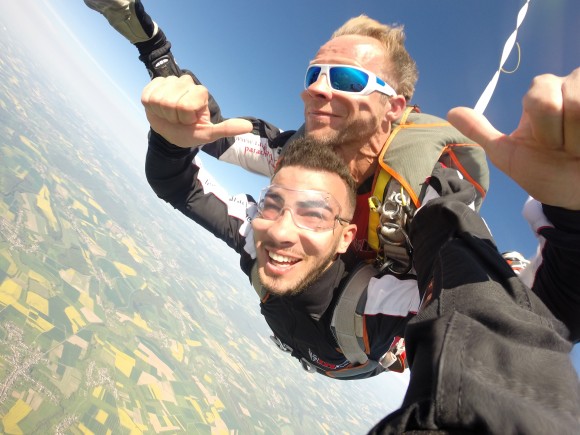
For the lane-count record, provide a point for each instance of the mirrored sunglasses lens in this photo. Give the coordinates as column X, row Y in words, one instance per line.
column 348, row 79
column 312, row 75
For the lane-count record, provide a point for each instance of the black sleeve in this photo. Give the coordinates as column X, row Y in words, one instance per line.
column 486, row 355
column 176, row 179
column 557, row 280
column 256, row 152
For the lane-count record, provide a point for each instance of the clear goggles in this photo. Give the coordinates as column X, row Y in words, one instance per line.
column 312, row 210
column 348, row 78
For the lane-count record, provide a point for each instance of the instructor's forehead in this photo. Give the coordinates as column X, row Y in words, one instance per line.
column 358, row 50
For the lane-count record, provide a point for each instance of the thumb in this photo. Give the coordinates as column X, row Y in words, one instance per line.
column 230, row 127
column 498, row 147
column 473, row 125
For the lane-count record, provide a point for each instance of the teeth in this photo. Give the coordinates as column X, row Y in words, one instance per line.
column 281, row 258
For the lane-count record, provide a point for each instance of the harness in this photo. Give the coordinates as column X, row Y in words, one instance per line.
column 416, row 144
column 349, row 331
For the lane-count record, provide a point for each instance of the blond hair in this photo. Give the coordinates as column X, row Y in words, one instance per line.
column 403, row 74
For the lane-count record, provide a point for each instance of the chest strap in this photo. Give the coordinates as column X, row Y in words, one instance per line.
column 347, row 319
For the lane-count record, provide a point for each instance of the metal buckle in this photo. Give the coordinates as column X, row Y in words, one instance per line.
column 283, row 347
column 306, row 365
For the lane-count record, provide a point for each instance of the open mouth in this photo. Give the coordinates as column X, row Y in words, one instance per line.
column 281, row 260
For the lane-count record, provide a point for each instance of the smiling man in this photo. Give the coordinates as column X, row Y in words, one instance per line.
column 289, row 242
column 289, row 260
column 301, row 227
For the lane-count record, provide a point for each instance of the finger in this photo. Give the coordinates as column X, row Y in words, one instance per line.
column 473, row 125
column 192, row 106
column 188, row 136
column 476, row 127
column 571, row 97
column 172, row 98
column 175, row 134
column 229, row 127
column 543, row 107
column 150, row 88
column 157, row 96
column 162, row 94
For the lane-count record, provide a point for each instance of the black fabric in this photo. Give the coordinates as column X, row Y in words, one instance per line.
column 557, row 280
column 486, row 355
column 144, row 19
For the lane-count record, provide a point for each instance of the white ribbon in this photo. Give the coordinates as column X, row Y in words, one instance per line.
column 507, row 48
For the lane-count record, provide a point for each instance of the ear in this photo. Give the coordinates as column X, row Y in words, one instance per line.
column 346, row 237
column 398, row 105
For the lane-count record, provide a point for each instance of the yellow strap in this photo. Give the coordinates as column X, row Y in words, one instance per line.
column 383, row 178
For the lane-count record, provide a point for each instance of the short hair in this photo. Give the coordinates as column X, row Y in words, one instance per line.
column 403, row 74
column 309, row 153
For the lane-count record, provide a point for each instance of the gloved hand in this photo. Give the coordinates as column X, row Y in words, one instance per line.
column 128, row 17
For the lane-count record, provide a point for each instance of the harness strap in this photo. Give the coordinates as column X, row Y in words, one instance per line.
column 349, row 372
column 347, row 323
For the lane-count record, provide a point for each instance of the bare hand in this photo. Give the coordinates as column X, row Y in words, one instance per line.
column 543, row 154
column 177, row 109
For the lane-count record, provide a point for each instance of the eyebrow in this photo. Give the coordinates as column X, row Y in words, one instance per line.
column 315, row 204
column 274, row 196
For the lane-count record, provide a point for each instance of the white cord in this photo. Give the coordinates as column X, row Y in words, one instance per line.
column 481, row 104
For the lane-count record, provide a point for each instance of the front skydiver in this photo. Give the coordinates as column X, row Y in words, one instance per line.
column 290, row 251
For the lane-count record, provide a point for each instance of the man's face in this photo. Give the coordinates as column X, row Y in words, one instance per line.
column 343, row 117
column 290, row 258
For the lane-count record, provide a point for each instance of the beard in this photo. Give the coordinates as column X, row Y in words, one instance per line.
column 277, row 286
column 357, row 131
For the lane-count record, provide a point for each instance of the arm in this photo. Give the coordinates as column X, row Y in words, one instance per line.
column 481, row 340
column 543, row 156
column 255, row 150
column 556, row 265
column 177, row 179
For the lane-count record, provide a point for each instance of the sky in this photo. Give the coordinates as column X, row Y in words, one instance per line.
column 252, row 56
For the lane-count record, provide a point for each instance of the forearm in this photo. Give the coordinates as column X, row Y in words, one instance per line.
column 256, row 152
column 169, row 170
column 175, row 178
column 555, row 273
column 483, row 341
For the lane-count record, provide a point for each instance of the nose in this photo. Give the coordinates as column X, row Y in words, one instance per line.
column 320, row 88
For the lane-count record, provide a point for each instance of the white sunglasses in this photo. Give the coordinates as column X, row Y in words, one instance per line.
column 348, row 78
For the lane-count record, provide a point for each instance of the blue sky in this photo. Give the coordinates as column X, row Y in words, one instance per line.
column 252, row 56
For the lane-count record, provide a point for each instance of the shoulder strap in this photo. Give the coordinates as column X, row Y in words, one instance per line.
column 417, row 142
column 347, row 322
